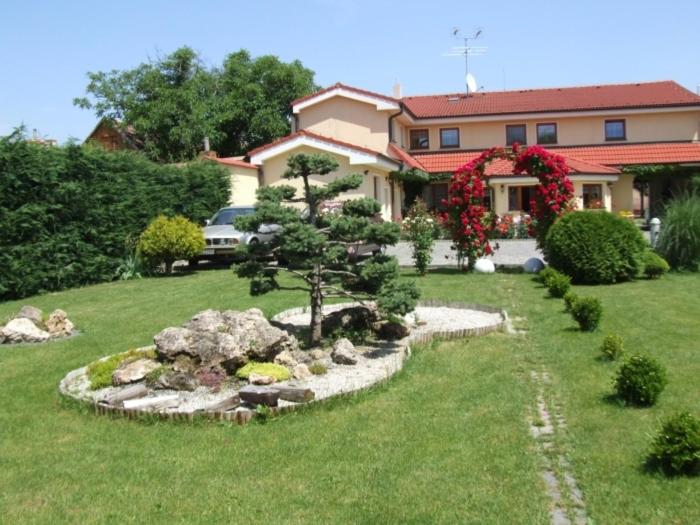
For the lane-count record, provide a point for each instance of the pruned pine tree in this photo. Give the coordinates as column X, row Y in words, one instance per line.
column 316, row 245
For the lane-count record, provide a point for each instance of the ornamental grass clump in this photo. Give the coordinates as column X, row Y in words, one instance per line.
column 655, row 265
column 640, row 381
column 587, row 312
column 676, row 449
column 679, row 241
column 419, row 226
column 612, row 347
column 558, row 284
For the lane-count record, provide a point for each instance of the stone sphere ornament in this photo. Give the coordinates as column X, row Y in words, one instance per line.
column 484, row 266
column 533, row 265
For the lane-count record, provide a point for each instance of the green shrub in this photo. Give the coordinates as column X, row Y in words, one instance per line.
column 654, row 265
column 168, row 239
column 569, row 299
column 100, row 372
column 66, row 212
column 595, row 247
column 545, row 274
column 676, row 449
column 419, row 226
column 279, row 372
column 640, row 381
column 612, row 347
column 679, row 241
column 318, row 369
column 587, row 312
column 558, row 284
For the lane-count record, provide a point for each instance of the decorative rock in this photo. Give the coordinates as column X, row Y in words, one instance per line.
column 58, row 324
column 285, row 358
column 212, row 377
column 23, row 330
column 484, row 266
column 133, row 371
column 207, row 321
column 351, row 318
column 344, row 352
column 259, row 395
column 392, row 331
column 301, row 371
column 295, row 394
column 33, row 314
column 301, row 356
column 533, row 265
column 178, row 381
column 259, row 379
column 122, row 394
column 317, row 354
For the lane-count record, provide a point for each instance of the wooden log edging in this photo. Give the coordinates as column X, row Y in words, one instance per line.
column 242, row 416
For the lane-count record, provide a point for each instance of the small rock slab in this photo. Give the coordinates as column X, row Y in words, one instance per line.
column 344, row 352
column 23, row 330
column 32, row 313
column 259, row 395
column 133, row 371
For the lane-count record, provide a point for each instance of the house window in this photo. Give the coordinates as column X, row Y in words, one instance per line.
column 592, row 196
column 449, row 138
column 615, row 130
column 516, row 133
column 519, row 198
column 419, row 139
column 547, row 133
column 434, row 194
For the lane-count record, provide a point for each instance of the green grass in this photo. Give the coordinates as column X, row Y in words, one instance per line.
column 445, row 441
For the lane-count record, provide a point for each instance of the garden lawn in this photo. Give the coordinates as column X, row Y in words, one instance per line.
column 446, row 441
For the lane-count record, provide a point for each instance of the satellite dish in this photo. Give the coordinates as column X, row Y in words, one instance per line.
column 471, row 83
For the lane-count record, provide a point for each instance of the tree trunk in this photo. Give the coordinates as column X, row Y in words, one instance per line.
column 169, row 267
column 316, row 307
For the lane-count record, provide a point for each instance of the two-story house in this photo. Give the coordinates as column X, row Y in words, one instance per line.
column 598, row 129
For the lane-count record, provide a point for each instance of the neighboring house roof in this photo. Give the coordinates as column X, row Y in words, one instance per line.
column 356, row 154
column 585, row 98
column 233, row 161
column 581, row 159
column 126, row 133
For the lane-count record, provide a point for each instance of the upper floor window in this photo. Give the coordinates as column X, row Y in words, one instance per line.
column 615, row 130
column 516, row 133
column 419, row 139
column 547, row 133
column 449, row 138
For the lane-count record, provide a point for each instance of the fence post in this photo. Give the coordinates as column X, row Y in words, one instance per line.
column 654, row 229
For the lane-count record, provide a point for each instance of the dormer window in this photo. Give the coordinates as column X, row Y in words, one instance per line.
column 615, row 130
column 449, row 138
column 516, row 133
column 419, row 139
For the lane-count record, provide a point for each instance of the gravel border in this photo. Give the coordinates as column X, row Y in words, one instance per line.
column 375, row 365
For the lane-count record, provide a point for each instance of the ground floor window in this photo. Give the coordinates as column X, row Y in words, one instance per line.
column 592, row 196
column 519, row 198
column 434, row 194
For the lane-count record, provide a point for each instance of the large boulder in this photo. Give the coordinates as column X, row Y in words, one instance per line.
column 133, row 371
column 344, row 352
column 256, row 336
column 58, row 324
column 350, row 318
column 392, row 330
column 23, row 330
column 33, row 314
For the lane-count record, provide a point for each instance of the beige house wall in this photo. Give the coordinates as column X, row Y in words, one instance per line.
column 348, row 120
column 274, row 168
column 623, row 193
column 244, row 183
column 572, row 131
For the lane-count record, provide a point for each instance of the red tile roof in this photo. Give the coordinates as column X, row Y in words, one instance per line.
column 581, row 159
column 316, row 136
column 403, row 156
column 232, row 161
column 587, row 98
column 338, row 85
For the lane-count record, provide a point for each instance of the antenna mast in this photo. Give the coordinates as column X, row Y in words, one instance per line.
column 466, row 51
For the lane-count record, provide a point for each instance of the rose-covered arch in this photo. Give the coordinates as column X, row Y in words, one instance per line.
column 466, row 216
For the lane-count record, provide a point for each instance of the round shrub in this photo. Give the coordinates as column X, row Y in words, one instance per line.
column 676, row 449
column 587, row 312
column 679, row 241
column 595, row 247
column 569, row 299
column 640, row 381
column 546, row 274
column 612, row 347
column 167, row 240
column 558, row 284
column 654, row 265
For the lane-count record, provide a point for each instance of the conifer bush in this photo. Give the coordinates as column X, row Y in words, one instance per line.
column 655, row 265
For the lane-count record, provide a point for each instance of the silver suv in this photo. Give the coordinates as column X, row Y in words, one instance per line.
column 221, row 237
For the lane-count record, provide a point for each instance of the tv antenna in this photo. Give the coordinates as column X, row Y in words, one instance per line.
column 466, row 51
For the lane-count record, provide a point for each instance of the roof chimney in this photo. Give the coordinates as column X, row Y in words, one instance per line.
column 396, row 91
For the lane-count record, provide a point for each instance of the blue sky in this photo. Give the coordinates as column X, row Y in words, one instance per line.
column 46, row 47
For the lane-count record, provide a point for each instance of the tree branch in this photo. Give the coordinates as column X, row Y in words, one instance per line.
column 338, row 292
column 298, row 274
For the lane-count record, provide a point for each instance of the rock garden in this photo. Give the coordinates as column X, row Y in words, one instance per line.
column 30, row 325
column 234, row 364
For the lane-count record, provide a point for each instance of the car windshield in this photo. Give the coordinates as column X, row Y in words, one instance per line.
column 227, row 215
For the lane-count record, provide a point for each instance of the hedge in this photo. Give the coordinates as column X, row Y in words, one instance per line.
column 67, row 213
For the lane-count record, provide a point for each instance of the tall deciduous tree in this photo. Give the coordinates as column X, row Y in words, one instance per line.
column 315, row 244
column 173, row 102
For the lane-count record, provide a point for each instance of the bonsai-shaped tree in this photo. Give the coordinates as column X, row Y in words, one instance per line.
column 317, row 245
